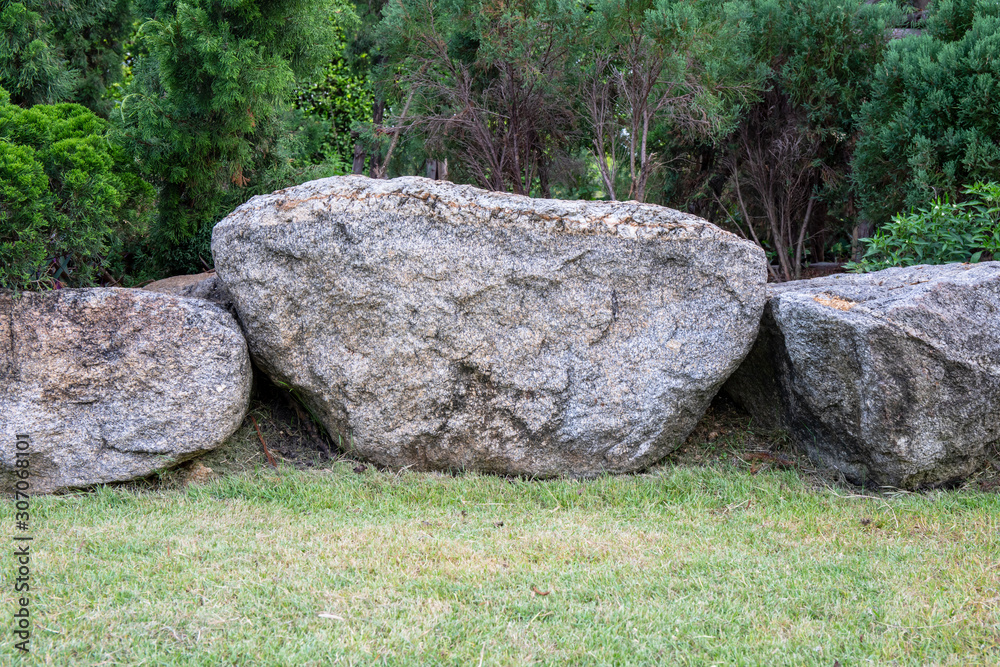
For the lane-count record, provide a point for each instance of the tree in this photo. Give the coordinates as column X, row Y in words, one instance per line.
column 32, row 69
column 206, row 116
column 335, row 100
column 63, row 50
column 364, row 56
column 791, row 154
column 932, row 124
column 484, row 82
column 90, row 34
column 652, row 63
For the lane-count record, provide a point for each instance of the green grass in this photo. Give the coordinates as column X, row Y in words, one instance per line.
column 688, row 565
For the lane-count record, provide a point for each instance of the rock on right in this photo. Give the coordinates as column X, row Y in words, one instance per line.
column 891, row 378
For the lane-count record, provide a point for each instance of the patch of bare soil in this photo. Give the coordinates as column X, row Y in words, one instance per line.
column 726, row 436
column 286, row 428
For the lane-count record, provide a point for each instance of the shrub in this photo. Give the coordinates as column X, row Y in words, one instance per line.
column 32, row 68
column 55, row 51
column 23, row 193
column 68, row 199
column 91, row 34
column 485, row 84
column 945, row 232
column 793, row 147
column 933, row 122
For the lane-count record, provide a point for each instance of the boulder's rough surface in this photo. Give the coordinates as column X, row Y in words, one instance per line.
column 892, row 377
column 444, row 327
column 115, row 384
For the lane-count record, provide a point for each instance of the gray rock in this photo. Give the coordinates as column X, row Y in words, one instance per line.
column 198, row 286
column 436, row 326
column 115, row 384
column 177, row 284
column 892, row 377
column 210, row 289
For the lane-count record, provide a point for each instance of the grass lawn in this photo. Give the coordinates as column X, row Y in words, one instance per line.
column 724, row 561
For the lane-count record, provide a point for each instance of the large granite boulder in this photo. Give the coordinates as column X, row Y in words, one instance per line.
column 892, row 377
column 114, row 384
column 436, row 326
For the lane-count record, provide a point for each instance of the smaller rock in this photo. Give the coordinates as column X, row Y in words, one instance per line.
column 892, row 378
column 205, row 286
column 198, row 473
column 107, row 385
column 211, row 289
column 177, row 284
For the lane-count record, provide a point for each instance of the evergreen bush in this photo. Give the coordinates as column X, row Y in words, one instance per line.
column 68, row 196
column 206, row 116
column 55, row 51
column 91, row 35
column 933, row 121
column 33, row 70
column 793, row 148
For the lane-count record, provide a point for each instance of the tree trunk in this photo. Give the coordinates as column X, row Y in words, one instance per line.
column 375, row 159
column 543, row 177
column 801, row 241
column 862, row 230
column 437, row 169
column 358, row 165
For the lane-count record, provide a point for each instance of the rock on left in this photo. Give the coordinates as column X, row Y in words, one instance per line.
column 111, row 385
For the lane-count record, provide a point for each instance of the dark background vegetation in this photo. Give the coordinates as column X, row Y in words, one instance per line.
column 128, row 128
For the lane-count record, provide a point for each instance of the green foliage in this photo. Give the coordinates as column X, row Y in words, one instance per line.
column 63, row 50
column 483, row 83
column 206, row 116
column 933, row 122
column 90, row 34
column 820, row 53
column 792, row 151
column 659, row 77
column 24, row 189
column 32, row 69
column 68, row 198
column 942, row 233
column 333, row 102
